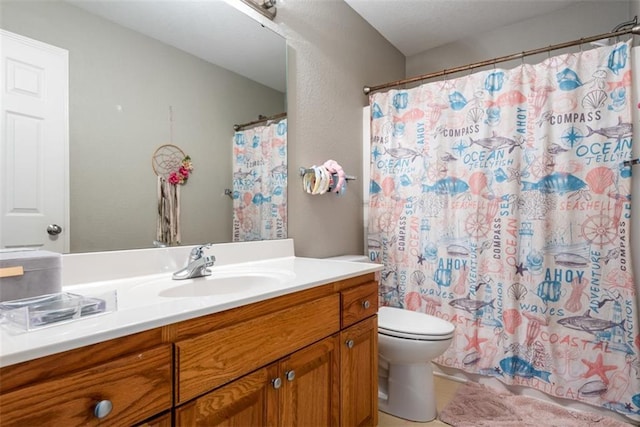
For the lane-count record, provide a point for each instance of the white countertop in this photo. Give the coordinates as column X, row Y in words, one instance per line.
column 140, row 307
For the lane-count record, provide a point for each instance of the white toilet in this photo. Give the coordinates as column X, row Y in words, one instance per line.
column 407, row 343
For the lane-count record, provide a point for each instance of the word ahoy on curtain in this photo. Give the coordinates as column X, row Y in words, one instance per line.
column 500, row 202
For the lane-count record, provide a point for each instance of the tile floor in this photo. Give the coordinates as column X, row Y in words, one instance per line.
column 445, row 390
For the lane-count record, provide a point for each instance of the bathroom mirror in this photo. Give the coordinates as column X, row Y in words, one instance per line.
column 147, row 73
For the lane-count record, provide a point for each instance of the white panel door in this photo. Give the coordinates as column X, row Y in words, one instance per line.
column 34, row 150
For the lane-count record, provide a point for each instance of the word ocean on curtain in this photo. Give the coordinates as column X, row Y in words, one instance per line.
column 260, row 182
column 500, row 202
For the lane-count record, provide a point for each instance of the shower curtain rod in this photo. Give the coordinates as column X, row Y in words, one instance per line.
column 634, row 30
column 261, row 119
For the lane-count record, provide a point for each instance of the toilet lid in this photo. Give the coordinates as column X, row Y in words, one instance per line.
column 411, row 324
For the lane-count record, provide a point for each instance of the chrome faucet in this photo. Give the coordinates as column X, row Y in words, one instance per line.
column 197, row 265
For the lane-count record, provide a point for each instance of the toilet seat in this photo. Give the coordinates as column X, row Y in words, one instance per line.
column 407, row 324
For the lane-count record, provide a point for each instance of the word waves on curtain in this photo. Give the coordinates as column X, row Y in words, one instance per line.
column 500, row 202
column 260, row 183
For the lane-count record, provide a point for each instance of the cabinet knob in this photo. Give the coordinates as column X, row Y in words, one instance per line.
column 366, row 304
column 276, row 382
column 102, row 409
column 349, row 343
column 290, row 375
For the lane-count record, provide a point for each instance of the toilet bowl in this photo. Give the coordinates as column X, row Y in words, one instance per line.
column 407, row 343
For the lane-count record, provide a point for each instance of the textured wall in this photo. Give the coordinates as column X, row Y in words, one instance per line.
column 333, row 53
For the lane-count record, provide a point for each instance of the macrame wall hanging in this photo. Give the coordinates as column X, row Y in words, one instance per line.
column 172, row 167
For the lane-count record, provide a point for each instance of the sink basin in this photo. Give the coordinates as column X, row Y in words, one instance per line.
column 222, row 283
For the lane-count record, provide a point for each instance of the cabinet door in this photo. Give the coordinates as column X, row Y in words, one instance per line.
column 311, row 390
column 248, row 401
column 359, row 374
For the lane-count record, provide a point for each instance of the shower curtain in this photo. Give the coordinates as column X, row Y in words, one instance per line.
column 260, row 182
column 500, row 202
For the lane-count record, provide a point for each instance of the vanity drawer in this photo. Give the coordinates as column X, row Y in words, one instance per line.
column 138, row 387
column 359, row 303
column 215, row 358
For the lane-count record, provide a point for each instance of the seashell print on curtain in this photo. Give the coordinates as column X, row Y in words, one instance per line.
column 260, row 182
column 500, row 202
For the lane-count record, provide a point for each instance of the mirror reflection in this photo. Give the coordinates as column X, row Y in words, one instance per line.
column 147, row 74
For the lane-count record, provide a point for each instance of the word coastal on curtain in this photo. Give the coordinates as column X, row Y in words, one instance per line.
column 260, row 182
column 500, row 202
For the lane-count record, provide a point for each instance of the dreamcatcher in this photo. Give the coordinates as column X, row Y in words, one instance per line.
column 170, row 163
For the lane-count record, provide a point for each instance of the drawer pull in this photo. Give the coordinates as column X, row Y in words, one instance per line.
column 102, row 409
column 290, row 375
column 349, row 343
column 277, row 383
column 366, row 304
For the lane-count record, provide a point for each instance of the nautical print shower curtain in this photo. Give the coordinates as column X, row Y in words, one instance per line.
column 260, row 182
column 500, row 202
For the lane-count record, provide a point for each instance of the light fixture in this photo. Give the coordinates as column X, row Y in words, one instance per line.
column 264, row 7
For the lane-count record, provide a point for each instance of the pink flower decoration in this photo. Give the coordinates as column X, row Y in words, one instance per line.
column 174, row 178
column 180, row 176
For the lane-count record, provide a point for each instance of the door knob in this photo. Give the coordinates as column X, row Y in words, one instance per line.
column 54, row 229
column 366, row 304
column 349, row 343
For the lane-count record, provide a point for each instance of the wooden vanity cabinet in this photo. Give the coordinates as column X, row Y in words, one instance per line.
column 306, row 359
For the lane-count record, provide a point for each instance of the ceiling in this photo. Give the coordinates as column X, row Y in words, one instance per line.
column 414, row 26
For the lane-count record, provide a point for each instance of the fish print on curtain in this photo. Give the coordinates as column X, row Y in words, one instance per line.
column 500, row 202
column 260, row 183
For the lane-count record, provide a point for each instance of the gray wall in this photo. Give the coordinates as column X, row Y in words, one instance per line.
column 113, row 187
column 333, row 53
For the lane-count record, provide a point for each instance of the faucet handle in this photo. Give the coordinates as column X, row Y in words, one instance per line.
column 196, row 252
